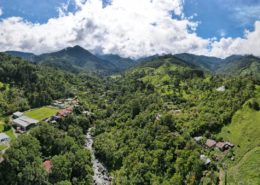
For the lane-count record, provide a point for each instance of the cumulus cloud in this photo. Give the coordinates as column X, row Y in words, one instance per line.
column 250, row 44
column 130, row 28
column 133, row 28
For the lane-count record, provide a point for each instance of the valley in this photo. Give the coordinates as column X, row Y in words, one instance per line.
column 134, row 124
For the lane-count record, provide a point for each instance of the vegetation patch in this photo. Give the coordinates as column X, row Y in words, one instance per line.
column 41, row 113
column 244, row 132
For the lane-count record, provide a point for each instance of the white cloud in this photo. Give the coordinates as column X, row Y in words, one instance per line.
column 133, row 28
column 130, row 28
column 250, row 44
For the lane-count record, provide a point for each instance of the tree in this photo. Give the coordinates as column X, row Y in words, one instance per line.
column 61, row 169
column 77, row 133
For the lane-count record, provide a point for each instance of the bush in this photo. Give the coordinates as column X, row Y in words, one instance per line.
column 7, row 127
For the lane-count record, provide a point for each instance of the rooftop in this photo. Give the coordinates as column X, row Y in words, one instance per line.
column 210, row 143
column 28, row 120
column 18, row 114
column 3, row 136
column 47, row 165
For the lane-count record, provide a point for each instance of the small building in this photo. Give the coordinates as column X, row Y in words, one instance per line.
column 64, row 112
column 24, row 123
column 205, row 159
column 158, row 117
column 198, row 138
column 17, row 115
column 224, row 146
column 221, row 89
column 211, row 143
column 4, row 138
column 47, row 165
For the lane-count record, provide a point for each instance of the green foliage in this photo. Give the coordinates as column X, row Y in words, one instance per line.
column 24, row 159
column 144, row 122
column 38, row 85
column 151, row 114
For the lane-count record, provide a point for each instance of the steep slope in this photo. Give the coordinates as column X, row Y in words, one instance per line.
column 76, row 58
column 204, row 62
column 153, row 111
column 244, row 132
column 240, row 65
column 23, row 55
column 120, row 62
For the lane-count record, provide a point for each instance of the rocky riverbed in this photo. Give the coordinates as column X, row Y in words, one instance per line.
column 101, row 176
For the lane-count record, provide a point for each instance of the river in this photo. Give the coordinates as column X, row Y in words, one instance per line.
column 101, row 176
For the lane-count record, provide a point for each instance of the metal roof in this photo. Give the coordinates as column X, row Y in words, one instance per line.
column 4, row 136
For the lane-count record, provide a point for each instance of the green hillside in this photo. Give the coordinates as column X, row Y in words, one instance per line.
column 145, row 134
column 143, row 122
column 244, row 132
column 243, row 66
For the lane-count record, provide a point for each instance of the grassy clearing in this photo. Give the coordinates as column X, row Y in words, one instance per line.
column 247, row 171
column 3, row 147
column 244, row 132
column 10, row 133
column 41, row 113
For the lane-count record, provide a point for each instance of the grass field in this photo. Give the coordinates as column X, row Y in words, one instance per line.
column 244, row 132
column 10, row 133
column 41, row 113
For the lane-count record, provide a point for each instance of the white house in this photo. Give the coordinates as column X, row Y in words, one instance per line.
column 17, row 114
column 205, row 159
column 221, row 89
column 4, row 138
column 24, row 123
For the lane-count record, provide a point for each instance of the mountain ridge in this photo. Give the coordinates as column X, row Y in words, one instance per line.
column 76, row 59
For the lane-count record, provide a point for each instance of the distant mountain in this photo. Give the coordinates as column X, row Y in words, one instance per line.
column 23, row 55
column 120, row 62
column 240, row 65
column 75, row 59
column 204, row 62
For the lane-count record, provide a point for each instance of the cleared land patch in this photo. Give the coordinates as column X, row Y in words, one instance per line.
column 244, row 132
column 41, row 113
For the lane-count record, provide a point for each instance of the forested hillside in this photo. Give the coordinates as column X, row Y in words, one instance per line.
column 144, row 122
column 145, row 135
column 26, row 84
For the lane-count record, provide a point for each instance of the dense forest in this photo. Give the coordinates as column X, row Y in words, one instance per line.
column 144, row 121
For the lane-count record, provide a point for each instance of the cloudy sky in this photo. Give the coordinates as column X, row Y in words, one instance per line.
column 132, row 28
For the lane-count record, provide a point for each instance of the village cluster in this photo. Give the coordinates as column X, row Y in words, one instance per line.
column 22, row 123
column 211, row 144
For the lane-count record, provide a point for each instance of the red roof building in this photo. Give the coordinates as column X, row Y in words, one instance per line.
column 47, row 165
column 64, row 112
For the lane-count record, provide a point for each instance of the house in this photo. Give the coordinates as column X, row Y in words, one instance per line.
column 24, row 123
column 205, row 159
column 17, row 115
column 47, row 165
column 64, row 112
column 198, row 138
column 158, row 117
column 221, row 89
column 211, row 143
column 178, row 111
column 4, row 138
column 224, row 146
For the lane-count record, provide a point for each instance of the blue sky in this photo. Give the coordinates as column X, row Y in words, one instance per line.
column 217, row 18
